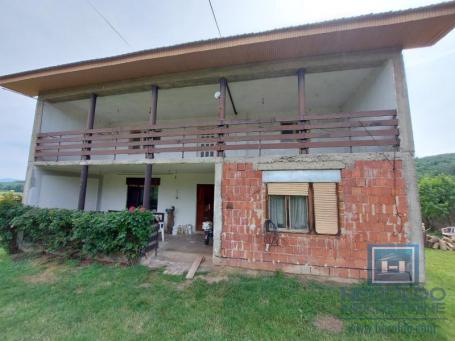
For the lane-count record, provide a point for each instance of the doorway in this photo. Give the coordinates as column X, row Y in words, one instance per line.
column 204, row 204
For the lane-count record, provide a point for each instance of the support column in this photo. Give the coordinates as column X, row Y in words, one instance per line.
column 84, row 169
column 301, row 92
column 222, row 107
column 148, row 167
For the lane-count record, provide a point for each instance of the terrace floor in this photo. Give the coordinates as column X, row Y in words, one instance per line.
column 177, row 253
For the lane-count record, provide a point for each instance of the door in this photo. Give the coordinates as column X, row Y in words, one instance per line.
column 204, row 205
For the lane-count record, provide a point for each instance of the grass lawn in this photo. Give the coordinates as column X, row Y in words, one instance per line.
column 42, row 299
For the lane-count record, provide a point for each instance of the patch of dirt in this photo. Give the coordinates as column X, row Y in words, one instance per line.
column 47, row 276
column 328, row 323
column 214, row 278
column 183, row 285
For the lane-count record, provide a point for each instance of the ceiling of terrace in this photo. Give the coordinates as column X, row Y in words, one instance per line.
column 326, row 91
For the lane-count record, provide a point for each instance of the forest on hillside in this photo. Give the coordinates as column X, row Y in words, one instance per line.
column 436, row 176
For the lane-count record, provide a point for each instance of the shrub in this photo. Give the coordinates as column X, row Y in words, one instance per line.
column 10, row 207
column 50, row 228
column 92, row 233
column 437, row 199
column 115, row 232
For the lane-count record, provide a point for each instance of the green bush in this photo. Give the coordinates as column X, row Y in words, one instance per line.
column 50, row 228
column 90, row 233
column 10, row 207
column 122, row 232
column 437, row 200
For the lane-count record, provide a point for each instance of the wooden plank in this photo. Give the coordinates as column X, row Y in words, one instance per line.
column 192, row 271
column 221, row 130
column 279, row 119
column 116, row 143
column 249, row 146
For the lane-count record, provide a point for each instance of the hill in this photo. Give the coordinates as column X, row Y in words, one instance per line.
column 443, row 164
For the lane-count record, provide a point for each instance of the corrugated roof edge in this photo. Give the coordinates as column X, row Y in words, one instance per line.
column 371, row 16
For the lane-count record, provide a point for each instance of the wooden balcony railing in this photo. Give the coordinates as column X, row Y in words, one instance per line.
column 321, row 131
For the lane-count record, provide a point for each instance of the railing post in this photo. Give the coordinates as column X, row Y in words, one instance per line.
column 301, row 94
column 84, row 169
column 148, row 167
column 222, row 110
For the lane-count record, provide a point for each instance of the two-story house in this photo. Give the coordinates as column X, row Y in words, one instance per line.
column 307, row 127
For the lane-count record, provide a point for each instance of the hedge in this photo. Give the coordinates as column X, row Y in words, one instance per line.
column 89, row 233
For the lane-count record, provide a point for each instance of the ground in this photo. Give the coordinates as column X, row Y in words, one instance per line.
column 43, row 298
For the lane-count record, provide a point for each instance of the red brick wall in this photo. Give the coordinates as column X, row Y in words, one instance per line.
column 372, row 208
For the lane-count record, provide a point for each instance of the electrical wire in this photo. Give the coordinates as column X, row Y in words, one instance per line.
column 214, row 18
column 108, row 23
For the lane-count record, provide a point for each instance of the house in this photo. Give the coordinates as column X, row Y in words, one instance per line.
column 306, row 127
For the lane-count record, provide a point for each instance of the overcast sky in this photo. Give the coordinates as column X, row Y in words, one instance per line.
column 39, row 33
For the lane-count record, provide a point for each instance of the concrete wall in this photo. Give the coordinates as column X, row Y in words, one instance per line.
column 53, row 190
column 175, row 190
column 377, row 92
column 58, row 118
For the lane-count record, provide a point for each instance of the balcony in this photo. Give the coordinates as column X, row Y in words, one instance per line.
column 344, row 132
column 344, row 111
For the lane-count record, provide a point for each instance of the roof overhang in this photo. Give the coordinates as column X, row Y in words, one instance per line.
column 401, row 30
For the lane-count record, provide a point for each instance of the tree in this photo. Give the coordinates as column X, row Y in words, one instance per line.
column 437, row 199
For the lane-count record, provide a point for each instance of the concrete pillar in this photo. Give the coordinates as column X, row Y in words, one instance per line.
column 217, row 210
column 414, row 229
column 26, row 200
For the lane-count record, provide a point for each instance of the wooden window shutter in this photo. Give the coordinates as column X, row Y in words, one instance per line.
column 287, row 188
column 325, row 208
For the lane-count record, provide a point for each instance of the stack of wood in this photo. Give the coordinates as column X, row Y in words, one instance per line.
column 443, row 243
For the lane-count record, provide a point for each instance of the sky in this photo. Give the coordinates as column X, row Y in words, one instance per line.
column 40, row 33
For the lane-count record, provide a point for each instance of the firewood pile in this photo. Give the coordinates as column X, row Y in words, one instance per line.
column 442, row 243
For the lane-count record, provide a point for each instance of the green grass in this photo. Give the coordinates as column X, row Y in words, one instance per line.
column 63, row 300
column 441, row 273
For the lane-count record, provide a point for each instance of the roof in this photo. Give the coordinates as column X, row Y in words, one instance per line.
column 411, row 28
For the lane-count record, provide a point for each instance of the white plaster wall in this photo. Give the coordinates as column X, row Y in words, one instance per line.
column 113, row 193
column 63, row 192
column 174, row 190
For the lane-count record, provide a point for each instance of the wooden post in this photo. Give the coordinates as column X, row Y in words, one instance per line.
column 222, row 108
column 149, row 167
column 84, row 170
column 301, row 92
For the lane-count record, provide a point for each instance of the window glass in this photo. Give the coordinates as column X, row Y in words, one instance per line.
column 277, row 210
column 298, row 212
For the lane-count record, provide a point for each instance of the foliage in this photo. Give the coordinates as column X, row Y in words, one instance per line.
column 90, row 233
column 16, row 186
column 10, row 207
column 443, row 164
column 122, row 232
column 50, row 228
column 437, row 200
column 11, row 195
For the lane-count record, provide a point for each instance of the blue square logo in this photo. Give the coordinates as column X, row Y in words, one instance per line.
column 393, row 264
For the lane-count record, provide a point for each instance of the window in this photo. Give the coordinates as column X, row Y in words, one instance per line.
column 135, row 192
column 303, row 207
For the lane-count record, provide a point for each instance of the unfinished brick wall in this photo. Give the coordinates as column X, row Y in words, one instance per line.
column 372, row 208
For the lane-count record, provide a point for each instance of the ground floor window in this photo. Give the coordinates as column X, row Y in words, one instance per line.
column 304, row 207
column 135, row 193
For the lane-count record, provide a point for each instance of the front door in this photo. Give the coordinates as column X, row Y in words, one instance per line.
column 204, row 205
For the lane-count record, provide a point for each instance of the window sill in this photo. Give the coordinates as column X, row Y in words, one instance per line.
column 293, row 231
